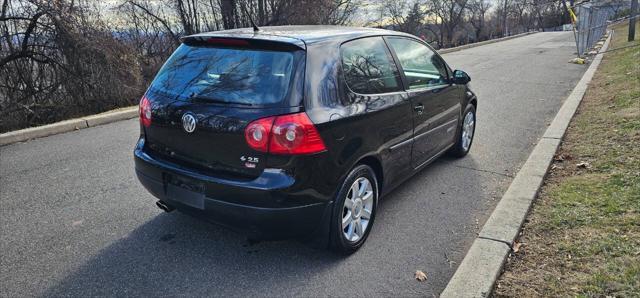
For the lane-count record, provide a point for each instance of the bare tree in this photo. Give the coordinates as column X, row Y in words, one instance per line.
column 340, row 12
column 151, row 14
column 398, row 12
column 545, row 13
column 478, row 10
column 405, row 16
column 520, row 10
column 188, row 14
column 146, row 31
column 57, row 61
column 229, row 15
column 505, row 15
column 450, row 14
column 63, row 58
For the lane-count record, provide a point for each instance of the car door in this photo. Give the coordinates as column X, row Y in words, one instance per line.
column 375, row 91
column 435, row 101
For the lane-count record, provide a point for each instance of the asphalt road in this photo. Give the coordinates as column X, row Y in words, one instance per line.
column 74, row 220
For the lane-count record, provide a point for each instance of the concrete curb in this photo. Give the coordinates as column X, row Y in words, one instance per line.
column 477, row 44
column 482, row 265
column 67, row 125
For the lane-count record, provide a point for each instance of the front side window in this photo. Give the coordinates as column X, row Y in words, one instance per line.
column 368, row 67
column 421, row 66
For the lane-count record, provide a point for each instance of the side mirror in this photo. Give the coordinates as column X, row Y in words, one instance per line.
column 460, row 77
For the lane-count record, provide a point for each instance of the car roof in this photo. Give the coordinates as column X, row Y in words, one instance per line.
column 302, row 34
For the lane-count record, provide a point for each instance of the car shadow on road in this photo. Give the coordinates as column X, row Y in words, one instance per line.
column 174, row 254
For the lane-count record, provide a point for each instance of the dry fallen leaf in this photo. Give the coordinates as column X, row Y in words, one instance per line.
column 516, row 247
column 583, row 164
column 421, row 276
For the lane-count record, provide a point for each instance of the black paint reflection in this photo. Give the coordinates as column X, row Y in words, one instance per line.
column 368, row 67
column 421, row 66
column 224, row 75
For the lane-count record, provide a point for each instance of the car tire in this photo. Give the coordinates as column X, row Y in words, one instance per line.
column 354, row 213
column 463, row 140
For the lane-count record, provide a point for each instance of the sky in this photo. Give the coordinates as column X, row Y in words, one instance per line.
column 368, row 10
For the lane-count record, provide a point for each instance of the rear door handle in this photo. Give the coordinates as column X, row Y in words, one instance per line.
column 419, row 108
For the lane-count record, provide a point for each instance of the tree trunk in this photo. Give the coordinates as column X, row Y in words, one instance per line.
column 632, row 20
column 184, row 18
column 228, row 11
column 261, row 18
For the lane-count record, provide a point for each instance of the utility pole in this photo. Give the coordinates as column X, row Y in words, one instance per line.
column 632, row 20
column 504, row 20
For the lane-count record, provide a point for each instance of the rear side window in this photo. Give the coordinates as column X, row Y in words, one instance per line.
column 421, row 66
column 368, row 67
column 226, row 75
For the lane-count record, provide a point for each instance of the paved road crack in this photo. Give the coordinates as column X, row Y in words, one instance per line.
column 497, row 240
column 485, row 171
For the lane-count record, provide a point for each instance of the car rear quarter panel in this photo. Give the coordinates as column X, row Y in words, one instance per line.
column 355, row 126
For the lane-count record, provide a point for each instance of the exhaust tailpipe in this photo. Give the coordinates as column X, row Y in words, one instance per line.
column 162, row 205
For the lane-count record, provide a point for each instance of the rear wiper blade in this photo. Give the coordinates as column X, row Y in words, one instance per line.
column 213, row 100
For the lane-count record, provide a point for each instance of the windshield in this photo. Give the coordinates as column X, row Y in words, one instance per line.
column 225, row 75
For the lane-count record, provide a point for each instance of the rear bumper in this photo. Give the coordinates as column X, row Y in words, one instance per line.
column 263, row 208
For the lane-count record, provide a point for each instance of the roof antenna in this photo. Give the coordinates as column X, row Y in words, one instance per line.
column 253, row 24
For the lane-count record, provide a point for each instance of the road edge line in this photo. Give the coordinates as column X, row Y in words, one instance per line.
column 67, row 125
column 481, row 43
column 482, row 265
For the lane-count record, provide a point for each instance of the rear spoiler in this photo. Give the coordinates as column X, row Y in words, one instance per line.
column 261, row 41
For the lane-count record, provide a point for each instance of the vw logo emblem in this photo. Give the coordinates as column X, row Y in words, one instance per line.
column 189, row 122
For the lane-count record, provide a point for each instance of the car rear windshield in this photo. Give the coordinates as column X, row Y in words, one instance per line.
column 226, row 75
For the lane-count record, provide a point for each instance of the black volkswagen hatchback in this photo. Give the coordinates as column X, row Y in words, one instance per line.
column 298, row 131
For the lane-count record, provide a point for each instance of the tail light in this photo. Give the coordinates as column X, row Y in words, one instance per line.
column 287, row 134
column 257, row 134
column 145, row 111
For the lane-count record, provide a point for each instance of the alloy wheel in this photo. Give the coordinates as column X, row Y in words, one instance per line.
column 468, row 127
column 357, row 209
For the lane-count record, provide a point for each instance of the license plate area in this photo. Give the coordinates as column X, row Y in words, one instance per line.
column 185, row 190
